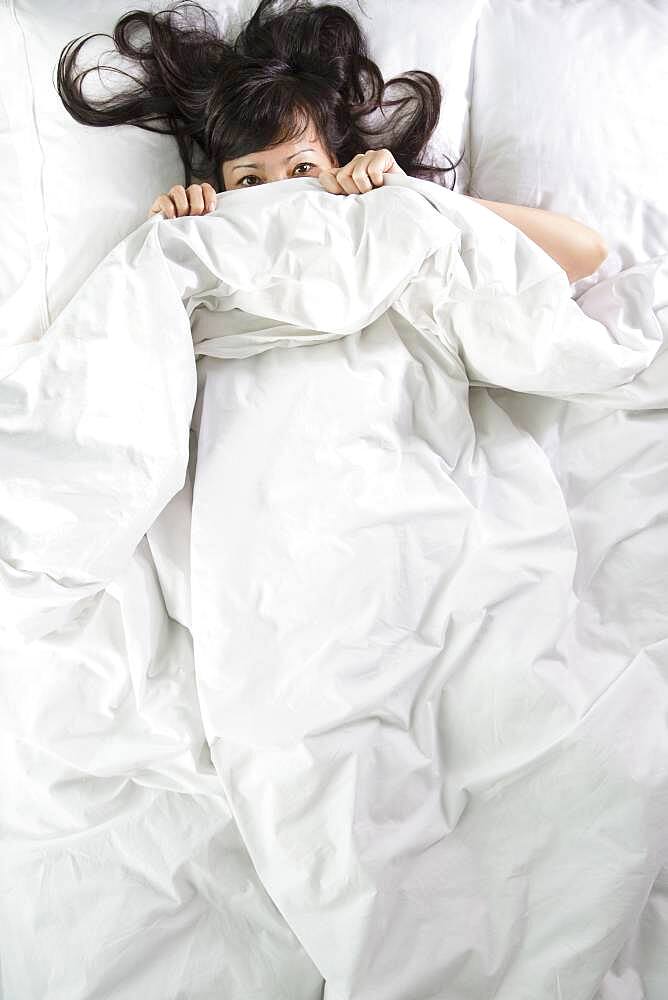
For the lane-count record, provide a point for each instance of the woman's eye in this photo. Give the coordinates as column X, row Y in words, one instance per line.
column 254, row 178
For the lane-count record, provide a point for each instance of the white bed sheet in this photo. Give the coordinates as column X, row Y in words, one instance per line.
column 328, row 674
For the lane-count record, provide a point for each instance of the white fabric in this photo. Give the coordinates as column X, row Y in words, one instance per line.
column 569, row 114
column 399, row 642
column 71, row 192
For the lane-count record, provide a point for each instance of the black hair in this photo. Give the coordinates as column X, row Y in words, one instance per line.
column 222, row 99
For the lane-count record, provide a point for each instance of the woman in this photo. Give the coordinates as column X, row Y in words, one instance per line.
column 292, row 96
column 298, row 77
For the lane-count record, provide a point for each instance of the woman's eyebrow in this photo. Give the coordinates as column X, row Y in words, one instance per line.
column 309, row 149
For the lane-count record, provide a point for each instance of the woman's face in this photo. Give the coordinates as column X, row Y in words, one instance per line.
column 303, row 157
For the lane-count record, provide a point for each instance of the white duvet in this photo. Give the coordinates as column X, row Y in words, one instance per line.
column 335, row 650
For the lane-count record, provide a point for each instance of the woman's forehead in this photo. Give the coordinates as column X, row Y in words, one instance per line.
column 308, row 139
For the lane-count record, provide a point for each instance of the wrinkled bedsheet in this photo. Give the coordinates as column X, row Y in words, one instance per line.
column 333, row 580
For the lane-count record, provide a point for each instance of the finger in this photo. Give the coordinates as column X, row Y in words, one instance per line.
column 180, row 199
column 380, row 162
column 210, row 199
column 389, row 164
column 360, row 176
column 376, row 175
column 196, row 199
column 329, row 182
column 344, row 175
column 163, row 203
column 155, row 208
column 344, row 178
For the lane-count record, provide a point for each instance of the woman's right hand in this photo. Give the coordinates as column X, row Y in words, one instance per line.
column 198, row 199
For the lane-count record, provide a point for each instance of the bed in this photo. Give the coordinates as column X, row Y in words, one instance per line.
column 334, row 645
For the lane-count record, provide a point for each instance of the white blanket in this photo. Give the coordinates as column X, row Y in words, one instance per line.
column 335, row 671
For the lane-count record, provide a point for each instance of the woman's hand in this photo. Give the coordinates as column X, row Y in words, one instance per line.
column 363, row 173
column 198, row 199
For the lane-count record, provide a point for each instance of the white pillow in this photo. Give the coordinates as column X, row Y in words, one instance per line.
column 22, row 249
column 438, row 37
column 84, row 189
column 71, row 192
column 569, row 113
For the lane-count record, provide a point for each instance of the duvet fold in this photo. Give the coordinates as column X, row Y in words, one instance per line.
column 94, row 416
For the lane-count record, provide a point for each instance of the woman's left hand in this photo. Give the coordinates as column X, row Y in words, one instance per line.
column 363, row 173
